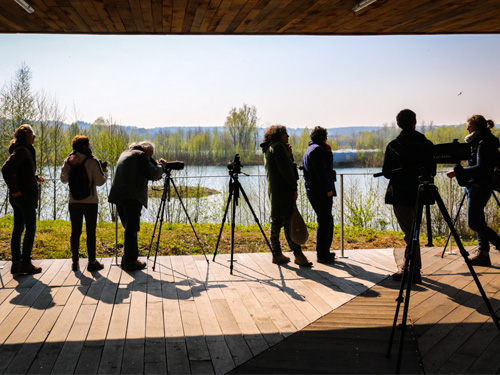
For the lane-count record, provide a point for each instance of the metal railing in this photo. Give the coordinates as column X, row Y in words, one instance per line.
column 262, row 198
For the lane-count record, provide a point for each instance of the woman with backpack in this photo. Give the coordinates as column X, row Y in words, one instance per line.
column 478, row 183
column 19, row 173
column 83, row 172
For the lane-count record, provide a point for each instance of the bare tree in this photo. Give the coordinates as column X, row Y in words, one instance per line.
column 17, row 106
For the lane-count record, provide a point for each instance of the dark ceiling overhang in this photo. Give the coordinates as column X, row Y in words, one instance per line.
column 251, row 17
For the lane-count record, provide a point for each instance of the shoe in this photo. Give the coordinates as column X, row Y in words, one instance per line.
column 75, row 266
column 29, row 268
column 482, row 259
column 301, row 260
column 417, row 277
column 96, row 266
column 133, row 266
column 280, row 259
column 329, row 258
column 16, row 267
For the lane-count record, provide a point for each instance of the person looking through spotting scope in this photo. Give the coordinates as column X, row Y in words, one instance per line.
column 282, row 179
column 406, row 162
column 129, row 191
column 476, row 178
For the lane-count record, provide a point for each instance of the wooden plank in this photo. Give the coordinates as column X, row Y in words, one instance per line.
column 178, row 14
column 112, row 355
column 243, row 285
column 133, row 352
column 10, row 322
column 70, row 352
column 244, row 320
column 147, row 15
column 207, row 316
column 155, row 356
column 236, row 343
column 273, row 309
column 177, row 357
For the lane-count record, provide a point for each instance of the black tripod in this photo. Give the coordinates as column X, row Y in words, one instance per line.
column 427, row 190
column 458, row 214
column 165, row 197
column 234, row 193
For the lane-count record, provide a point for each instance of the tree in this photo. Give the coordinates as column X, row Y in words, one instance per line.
column 241, row 124
column 17, row 106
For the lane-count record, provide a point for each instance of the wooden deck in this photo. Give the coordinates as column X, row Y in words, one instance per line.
column 449, row 331
column 190, row 316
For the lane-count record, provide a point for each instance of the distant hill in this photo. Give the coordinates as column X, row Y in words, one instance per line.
column 346, row 131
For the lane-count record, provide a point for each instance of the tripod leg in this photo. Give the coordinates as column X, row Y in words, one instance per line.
column 116, row 236
column 408, row 272
column 256, row 218
column 454, row 222
column 465, row 255
column 223, row 219
column 189, row 219
column 160, row 210
column 429, row 225
column 233, row 225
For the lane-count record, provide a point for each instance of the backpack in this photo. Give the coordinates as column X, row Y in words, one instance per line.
column 79, row 184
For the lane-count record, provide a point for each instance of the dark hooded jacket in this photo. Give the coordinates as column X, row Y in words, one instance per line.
column 19, row 172
column 483, row 159
column 407, row 158
column 281, row 177
column 319, row 175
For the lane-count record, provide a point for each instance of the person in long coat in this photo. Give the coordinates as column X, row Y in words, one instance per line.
column 282, row 179
column 19, row 173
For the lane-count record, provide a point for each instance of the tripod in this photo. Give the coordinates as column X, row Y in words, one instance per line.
column 426, row 190
column 165, row 197
column 234, row 193
column 458, row 214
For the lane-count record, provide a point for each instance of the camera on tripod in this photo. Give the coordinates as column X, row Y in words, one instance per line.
column 424, row 160
column 174, row 165
column 234, row 166
column 451, row 153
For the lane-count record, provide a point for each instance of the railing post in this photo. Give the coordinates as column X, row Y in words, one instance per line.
column 342, row 216
column 450, row 202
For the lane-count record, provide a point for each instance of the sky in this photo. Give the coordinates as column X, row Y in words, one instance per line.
column 297, row 81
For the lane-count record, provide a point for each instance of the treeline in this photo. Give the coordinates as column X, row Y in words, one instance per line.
column 200, row 146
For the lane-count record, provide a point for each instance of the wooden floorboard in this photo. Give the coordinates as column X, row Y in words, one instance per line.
column 449, row 330
column 193, row 316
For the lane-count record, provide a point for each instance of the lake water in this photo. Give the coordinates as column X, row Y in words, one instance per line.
column 358, row 182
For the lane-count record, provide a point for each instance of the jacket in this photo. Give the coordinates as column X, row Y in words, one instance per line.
column 483, row 159
column 94, row 172
column 407, row 158
column 281, row 178
column 19, row 172
column 133, row 171
column 319, row 175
